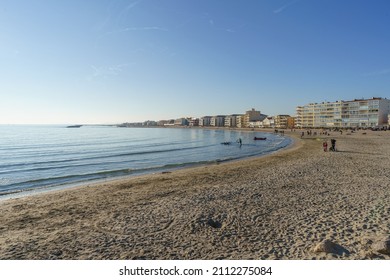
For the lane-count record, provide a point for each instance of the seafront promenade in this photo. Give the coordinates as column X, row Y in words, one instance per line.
column 298, row 203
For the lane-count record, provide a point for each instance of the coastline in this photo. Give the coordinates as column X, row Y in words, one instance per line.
column 149, row 171
column 277, row 206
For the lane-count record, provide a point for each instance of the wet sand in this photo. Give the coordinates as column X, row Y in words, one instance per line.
column 299, row 203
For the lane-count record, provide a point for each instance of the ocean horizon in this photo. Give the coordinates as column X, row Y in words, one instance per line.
column 36, row 157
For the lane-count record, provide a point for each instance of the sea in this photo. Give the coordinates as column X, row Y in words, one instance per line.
column 39, row 158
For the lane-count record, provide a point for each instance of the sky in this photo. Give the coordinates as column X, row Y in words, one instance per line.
column 115, row 61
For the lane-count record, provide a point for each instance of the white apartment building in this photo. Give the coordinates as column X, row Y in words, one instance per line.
column 231, row 121
column 240, row 121
column 344, row 114
column 217, row 121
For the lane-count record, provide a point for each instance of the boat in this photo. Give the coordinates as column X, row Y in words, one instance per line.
column 260, row 138
column 74, row 126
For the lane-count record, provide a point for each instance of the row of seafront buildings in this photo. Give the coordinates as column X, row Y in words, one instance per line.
column 250, row 119
column 357, row 113
column 235, row 120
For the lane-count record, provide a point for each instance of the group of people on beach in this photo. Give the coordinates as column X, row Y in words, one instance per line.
column 333, row 145
column 310, row 133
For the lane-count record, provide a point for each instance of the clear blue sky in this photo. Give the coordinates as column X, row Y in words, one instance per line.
column 114, row 61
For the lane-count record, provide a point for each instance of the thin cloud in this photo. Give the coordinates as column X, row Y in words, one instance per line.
column 106, row 71
column 132, row 5
column 125, row 12
column 143, row 28
column 117, row 15
column 215, row 26
column 281, row 9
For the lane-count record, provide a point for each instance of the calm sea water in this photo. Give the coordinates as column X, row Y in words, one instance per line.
column 36, row 157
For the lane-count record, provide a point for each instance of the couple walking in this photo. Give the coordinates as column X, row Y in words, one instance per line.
column 325, row 145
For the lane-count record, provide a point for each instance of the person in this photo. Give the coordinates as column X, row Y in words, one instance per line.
column 302, row 134
column 333, row 142
column 239, row 141
column 325, row 146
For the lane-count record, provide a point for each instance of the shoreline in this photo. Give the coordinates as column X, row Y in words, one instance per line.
column 278, row 206
column 47, row 189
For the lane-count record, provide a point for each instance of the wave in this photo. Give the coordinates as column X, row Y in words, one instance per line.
column 85, row 159
column 77, row 178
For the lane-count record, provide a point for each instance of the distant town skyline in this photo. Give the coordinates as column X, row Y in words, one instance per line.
column 115, row 61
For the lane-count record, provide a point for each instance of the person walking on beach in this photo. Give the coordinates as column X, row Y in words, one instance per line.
column 333, row 142
column 325, row 146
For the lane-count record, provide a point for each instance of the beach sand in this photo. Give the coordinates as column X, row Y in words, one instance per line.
column 299, row 203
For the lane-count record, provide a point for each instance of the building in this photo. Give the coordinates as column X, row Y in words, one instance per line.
column 162, row 122
column 149, row 123
column 218, row 121
column 281, row 121
column 193, row 122
column 291, row 122
column 166, row 122
column 231, row 121
column 204, row 121
column 251, row 116
column 240, row 121
column 255, row 124
column 181, row 122
column 268, row 122
column 357, row 113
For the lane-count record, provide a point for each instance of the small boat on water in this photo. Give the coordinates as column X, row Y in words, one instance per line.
column 260, row 138
column 74, row 126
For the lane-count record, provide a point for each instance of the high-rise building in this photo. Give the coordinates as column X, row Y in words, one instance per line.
column 251, row 116
column 344, row 114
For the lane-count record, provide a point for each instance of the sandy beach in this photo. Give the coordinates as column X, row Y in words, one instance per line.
column 299, row 203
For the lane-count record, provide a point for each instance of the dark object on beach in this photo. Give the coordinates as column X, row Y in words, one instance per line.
column 226, row 143
column 329, row 247
column 214, row 224
column 333, row 142
column 260, row 138
column 74, row 126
